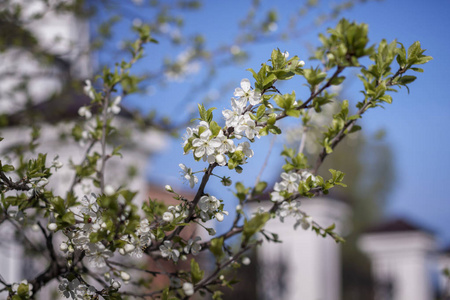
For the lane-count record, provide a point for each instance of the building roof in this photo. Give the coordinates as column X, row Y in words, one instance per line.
column 398, row 225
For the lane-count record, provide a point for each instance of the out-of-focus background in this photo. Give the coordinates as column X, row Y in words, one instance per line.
column 395, row 211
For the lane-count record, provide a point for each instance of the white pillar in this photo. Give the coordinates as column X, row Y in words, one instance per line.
column 304, row 265
column 401, row 259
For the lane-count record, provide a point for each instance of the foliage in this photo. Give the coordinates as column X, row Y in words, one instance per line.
column 92, row 230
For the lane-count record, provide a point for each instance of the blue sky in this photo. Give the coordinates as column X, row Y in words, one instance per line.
column 415, row 123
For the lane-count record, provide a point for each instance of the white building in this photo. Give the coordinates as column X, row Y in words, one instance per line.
column 403, row 257
column 304, row 266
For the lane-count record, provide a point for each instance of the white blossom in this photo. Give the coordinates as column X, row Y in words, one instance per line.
column 89, row 90
column 167, row 217
column 115, row 108
column 188, row 288
column 193, row 246
column 84, row 111
column 246, row 92
column 187, row 174
column 168, row 251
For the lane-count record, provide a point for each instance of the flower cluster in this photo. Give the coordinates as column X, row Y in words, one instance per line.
column 76, row 290
column 213, row 144
column 96, row 253
column 289, row 185
column 238, row 117
column 174, row 212
column 211, row 206
column 292, row 208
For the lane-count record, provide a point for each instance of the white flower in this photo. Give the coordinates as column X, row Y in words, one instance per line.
column 188, row 288
column 225, row 144
column 246, row 92
column 290, row 182
column 208, row 203
column 52, row 226
column 115, row 108
column 85, row 112
column 204, row 145
column 97, row 253
column 128, row 248
column 188, row 175
column 219, row 215
column 167, row 217
column 56, row 163
column 63, row 247
column 232, row 116
column 246, row 261
column 168, row 251
column 245, row 148
column 89, row 90
column 115, row 284
column 248, row 126
column 109, row 190
column 193, row 246
column 125, row 276
column 90, row 206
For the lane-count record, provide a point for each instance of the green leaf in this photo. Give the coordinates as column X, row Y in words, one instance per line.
column 7, row 168
column 260, row 187
column 254, row 225
column 196, row 273
column 216, row 247
column 260, row 112
column 405, row 79
column 68, row 218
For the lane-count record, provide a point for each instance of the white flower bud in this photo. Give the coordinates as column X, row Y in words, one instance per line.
column 125, row 276
column 168, row 188
column 115, row 284
column 219, row 217
column 63, row 247
column 188, row 288
column 221, row 277
column 52, row 226
column 121, row 251
column 71, row 250
column 246, row 261
column 167, row 217
column 109, row 190
column 129, row 248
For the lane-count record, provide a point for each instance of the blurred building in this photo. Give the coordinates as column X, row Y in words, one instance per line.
column 39, row 69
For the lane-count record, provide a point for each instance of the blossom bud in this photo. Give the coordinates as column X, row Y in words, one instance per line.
column 129, row 248
column 121, row 251
column 221, row 277
column 52, row 226
column 125, row 276
column 188, row 288
column 107, row 276
column 211, row 231
column 167, row 217
column 246, row 261
column 109, row 190
column 219, row 217
column 115, row 284
column 168, row 188
column 63, row 247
